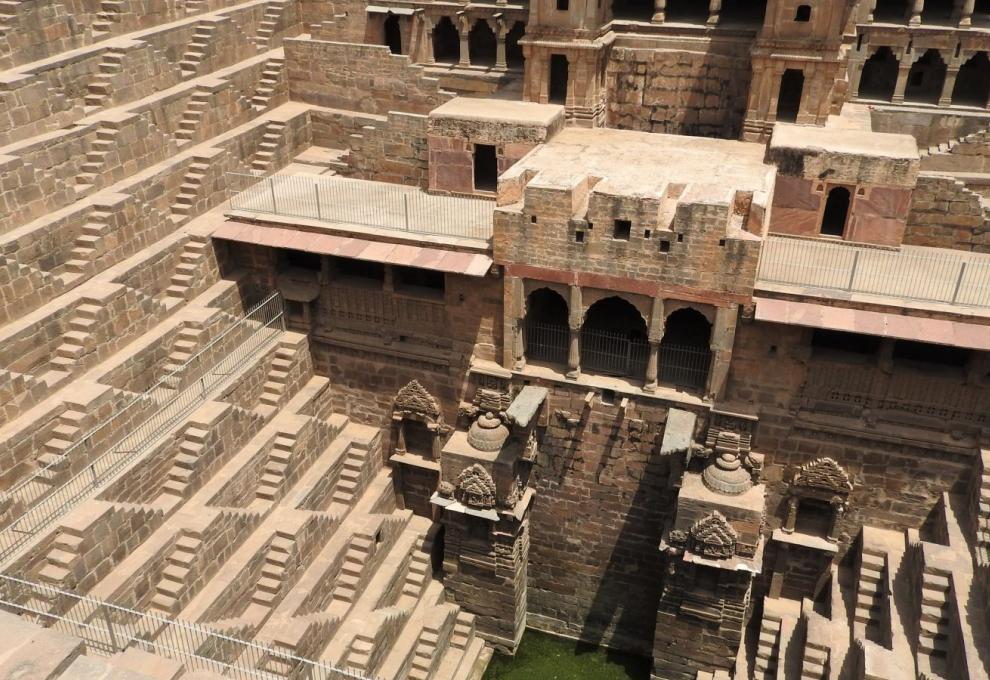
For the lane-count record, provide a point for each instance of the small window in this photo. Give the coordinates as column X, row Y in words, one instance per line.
column 608, row 397
column 485, row 167
column 361, row 269
column 563, row 5
column 302, row 260
column 803, row 14
column 579, row 236
column 664, row 246
column 840, row 341
column 414, row 279
column 623, row 228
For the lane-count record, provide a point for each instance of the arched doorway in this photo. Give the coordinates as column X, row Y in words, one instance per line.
column 481, row 44
column 925, row 79
column 393, row 34
column 879, row 76
column 938, row 12
column 633, row 10
column 687, row 11
column 891, row 11
column 546, row 331
column 685, row 350
column 789, row 99
column 613, row 339
column 836, row 212
column 973, row 82
column 514, row 58
column 446, row 42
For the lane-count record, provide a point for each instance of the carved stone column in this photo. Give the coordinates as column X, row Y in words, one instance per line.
column 855, row 75
column 916, row 9
column 659, row 11
column 723, row 333
column 518, row 312
column 428, row 27
column 791, row 519
column 838, row 510
column 714, row 10
column 500, row 31
column 872, row 9
column 654, row 335
column 902, row 76
column 948, row 85
column 463, row 31
column 966, row 17
column 574, row 322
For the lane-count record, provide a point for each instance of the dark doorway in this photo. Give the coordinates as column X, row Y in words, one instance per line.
column 633, row 10
column 393, row 34
column 446, row 42
column 836, row 212
column 803, row 14
column 789, row 99
column 547, row 334
column 879, row 76
column 891, row 11
column 513, row 50
column 485, row 167
column 743, row 12
column 973, row 82
column 685, row 351
column 938, row 12
column 558, row 79
column 981, row 13
column 925, row 79
column 613, row 339
column 481, row 44
column 687, row 11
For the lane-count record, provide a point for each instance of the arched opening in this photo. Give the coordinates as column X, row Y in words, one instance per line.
column 789, row 99
column 803, row 14
column 981, row 13
column 546, row 331
column 513, row 50
column 687, row 11
column 743, row 12
column 393, row 34
column 938, row 12
column 446, row 42
column 836, row 212
column 925, row 79
column 891, row 11
column 879, row 76
column 633, row 10
column 481, row 44
column 685, row 351
column 613, row 339
column 973, row 82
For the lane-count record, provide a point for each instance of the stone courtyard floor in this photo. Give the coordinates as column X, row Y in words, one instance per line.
column 544, row 657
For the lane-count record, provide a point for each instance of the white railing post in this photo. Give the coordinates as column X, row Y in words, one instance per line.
column 959, row 280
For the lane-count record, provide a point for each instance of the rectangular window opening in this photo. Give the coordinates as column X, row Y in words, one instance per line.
column 623, row 229
column 419, row 281
column 485, row 167
column 558, row 79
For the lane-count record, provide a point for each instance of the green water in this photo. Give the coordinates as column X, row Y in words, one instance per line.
column 544, row 657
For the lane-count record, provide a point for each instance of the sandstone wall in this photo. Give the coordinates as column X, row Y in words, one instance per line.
column 945, row 214
column 679, row 91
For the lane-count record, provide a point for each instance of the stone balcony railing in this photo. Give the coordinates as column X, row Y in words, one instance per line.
column 837, row 269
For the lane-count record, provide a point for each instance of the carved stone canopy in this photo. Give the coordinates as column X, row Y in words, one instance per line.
column 414, row 399
column 475, row 488
column 823, row 474
column 713, row 536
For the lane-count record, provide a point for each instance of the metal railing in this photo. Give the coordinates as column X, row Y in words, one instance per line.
column 362, row 202
column 39, row 503
column 109, row 629
column 614, row 353
column 684, row 365
column 912, row 273
column 547, row 341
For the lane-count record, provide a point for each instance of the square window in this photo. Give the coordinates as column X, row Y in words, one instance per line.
column 623, row 228
column 579, row 236
column 608, row 397
column 646, row 234
column 563, row 5
column 664, row 246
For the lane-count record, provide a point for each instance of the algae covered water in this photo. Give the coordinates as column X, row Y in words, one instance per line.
column 544, row 657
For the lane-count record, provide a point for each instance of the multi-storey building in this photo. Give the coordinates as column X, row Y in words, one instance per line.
column 351, row 339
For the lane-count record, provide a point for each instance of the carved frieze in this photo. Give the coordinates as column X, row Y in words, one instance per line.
column 475, row 488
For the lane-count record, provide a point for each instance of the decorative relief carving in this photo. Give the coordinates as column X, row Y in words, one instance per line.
column 413, row 399
column 475, row 488
column 713, row 536
column 824, row 474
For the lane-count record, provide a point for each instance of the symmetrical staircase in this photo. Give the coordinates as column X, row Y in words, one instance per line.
column 935, row 615
column 349, row 482
column 767, row 649
column 110, row 11
column 271, row 140
column 268, row 24
column 270, row 75
column 355, row 559
column 184, row 465
column 173, row 580
column 273, row 475
column 96, row 158
column 814, row 663
column 870, row 593
column 196, row 52
column 273, row 390
column 418, row 574
column 183, row 280
column 89, row 245
column 981, row 509
column 53, row 464
column 273, row 570
column 99, row 89
column 189, row 191
column 78, row 340
column 192, row 117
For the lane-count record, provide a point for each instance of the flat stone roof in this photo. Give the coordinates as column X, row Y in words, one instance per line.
column 499, row 111
column 632, row 163
column 844, row 141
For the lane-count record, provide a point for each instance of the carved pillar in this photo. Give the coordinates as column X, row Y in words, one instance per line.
column 916, row 9
column 872, row 9
column 791, row 519
column 966, row 17
column 659, row 11
column 855, row 75
column 902, row 76
column 721, row 347
column 463, row 31
column 574, row 322
column 400, row 435
column 714, row 10
column 838, row 510
column 950, row 83
column 500, row 30
column 519, row 317
column 654, row 335
column 428, row 31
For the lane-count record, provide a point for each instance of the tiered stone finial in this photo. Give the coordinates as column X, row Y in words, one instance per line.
column 488, row 433
column 726, row 474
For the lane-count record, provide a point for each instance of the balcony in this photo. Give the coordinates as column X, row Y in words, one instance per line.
column 360, row 203
column 839, row 270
